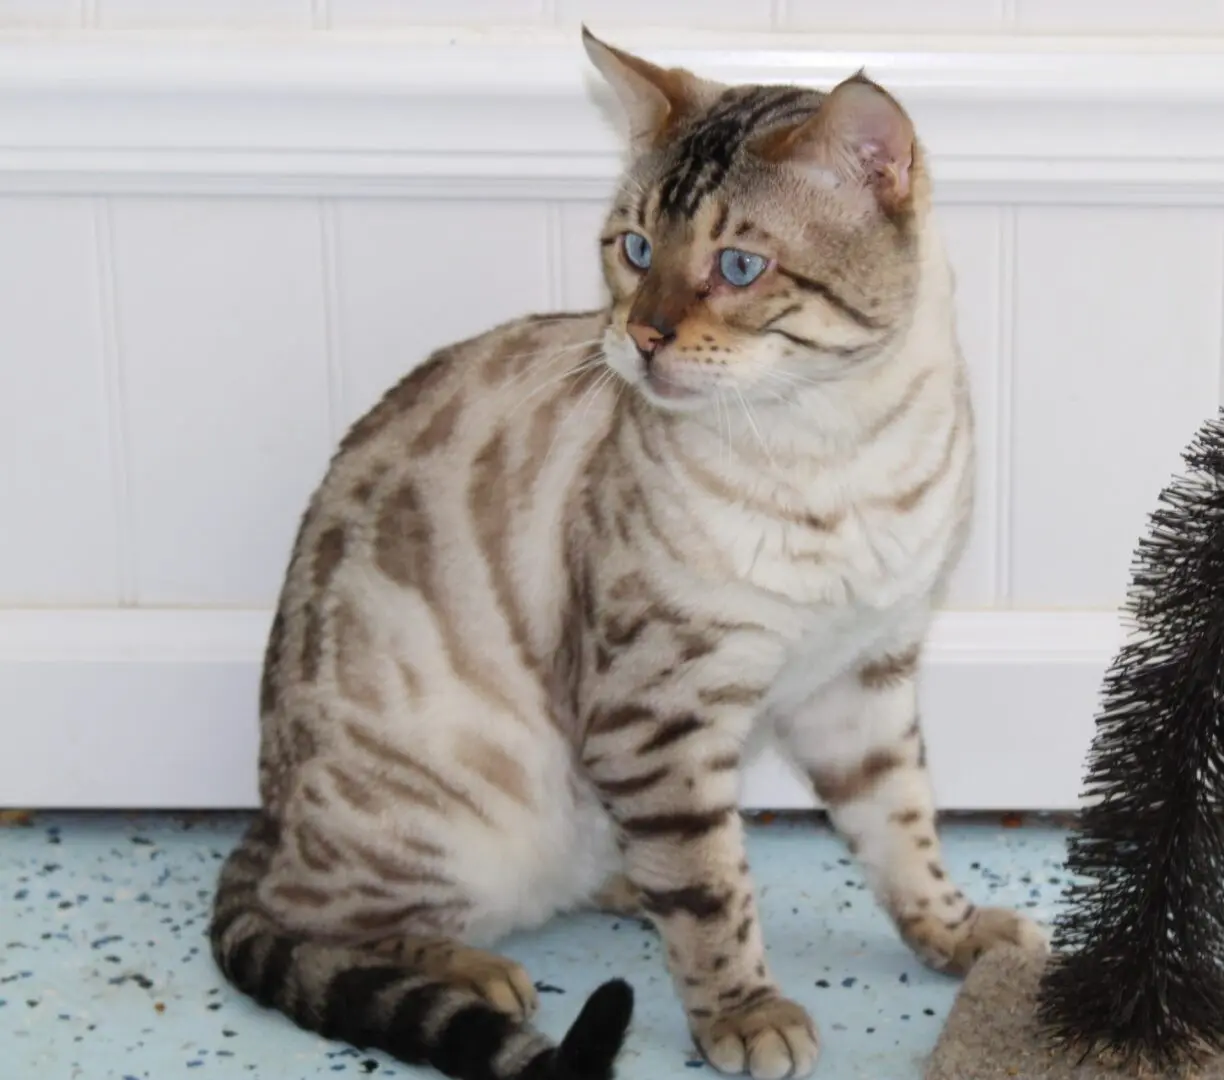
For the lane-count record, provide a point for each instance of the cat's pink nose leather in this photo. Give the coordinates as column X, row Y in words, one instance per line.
column 646, row 338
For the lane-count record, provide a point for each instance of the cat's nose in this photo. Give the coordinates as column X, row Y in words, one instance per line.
column 649, row 338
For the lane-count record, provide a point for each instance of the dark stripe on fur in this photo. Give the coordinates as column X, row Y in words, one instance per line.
column 224, row 918
column 618, row 635
column 754, row 997
column 785, row 313
column 808, row 343
column 634, row 785
column 684, row 826
column 272, row 972
column 622, row 717
column 699, row 901
column 672, row 731
column 346, row 1010
column 838, row 301
column 471, row 1038
column 705, row 153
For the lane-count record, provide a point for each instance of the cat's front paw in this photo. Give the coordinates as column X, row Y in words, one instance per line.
column 954, row 948
column 768, row 1040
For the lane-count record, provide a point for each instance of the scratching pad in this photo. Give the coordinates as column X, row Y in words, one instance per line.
column 991, row 1033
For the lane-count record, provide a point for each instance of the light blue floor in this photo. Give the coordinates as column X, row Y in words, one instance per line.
column 105, row 971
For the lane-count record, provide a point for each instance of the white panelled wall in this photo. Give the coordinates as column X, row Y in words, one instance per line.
column 216, row 256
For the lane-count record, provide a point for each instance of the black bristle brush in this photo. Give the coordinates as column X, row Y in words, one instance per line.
column 1137, row 971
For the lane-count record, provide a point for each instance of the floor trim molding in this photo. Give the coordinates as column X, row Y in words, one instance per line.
column 133, row 708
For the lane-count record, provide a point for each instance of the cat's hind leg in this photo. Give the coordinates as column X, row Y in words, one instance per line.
column 431, row 1001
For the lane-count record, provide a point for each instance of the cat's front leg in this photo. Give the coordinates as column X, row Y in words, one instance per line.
column 860, row 742
column 670, row 780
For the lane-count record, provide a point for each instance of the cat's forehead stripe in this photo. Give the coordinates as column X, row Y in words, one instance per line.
column 706, row 152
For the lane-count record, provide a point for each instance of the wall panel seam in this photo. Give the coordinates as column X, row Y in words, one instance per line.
column 555, row 241
column 1004, row 448
column 333, row 343
column 116, row 397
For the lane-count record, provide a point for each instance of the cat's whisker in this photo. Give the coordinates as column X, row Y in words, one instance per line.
column 791, row 380
column 585, row 365
column 592, row 395
column 553, row 320
column 561, row 427
column 549, row 359
column 550, row 384
column 724, row 425
column 753, row 424
column 777, row 388
column 537, row 371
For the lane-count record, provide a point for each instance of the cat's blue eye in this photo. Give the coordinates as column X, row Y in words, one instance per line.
column 741, row 268
column 637, row 250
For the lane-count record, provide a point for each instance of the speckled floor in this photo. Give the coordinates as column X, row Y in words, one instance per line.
column 105, row 972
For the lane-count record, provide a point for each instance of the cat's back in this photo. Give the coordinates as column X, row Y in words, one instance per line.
column 444, row 411
column 435, row 539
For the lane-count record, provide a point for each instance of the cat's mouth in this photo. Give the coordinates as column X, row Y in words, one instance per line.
column 661, row 385
column 661, row 380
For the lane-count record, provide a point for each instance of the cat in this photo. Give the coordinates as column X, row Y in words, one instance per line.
column 568, row 576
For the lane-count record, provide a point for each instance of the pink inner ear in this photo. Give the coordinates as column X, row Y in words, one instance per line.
column 880, row 164
column 877, row 134
column 859, row 137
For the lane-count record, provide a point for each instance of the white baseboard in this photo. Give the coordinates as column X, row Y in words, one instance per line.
column 157, row 708
column 452, row 113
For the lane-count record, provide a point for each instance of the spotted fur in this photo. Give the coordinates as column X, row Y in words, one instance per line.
column 559, row 586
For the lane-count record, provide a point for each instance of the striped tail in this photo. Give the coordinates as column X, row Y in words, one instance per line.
column 357, row 997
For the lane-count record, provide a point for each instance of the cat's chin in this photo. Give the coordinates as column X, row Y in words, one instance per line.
column 672, row 396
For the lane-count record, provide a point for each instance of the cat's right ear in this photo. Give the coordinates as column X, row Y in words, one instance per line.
column 655, row 99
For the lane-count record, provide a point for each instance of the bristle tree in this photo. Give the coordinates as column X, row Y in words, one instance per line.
column 1137, row 972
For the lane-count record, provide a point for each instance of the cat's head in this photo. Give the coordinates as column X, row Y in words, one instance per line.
column 762, row 238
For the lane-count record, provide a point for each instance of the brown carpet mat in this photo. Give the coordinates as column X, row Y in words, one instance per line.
column 991, row 1033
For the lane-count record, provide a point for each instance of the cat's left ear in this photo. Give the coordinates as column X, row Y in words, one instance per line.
column 860, row 135
column 654, row 98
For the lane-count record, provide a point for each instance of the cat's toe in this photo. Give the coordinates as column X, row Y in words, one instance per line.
column 953, row 946
column 501, row 982
column 997, row 926
column 770, row 1040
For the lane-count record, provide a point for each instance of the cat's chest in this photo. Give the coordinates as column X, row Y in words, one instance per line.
column 865, row 552
column 831, row 595
column 869, row 524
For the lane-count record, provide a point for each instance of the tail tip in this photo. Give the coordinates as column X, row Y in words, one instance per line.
column 591, row 1045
